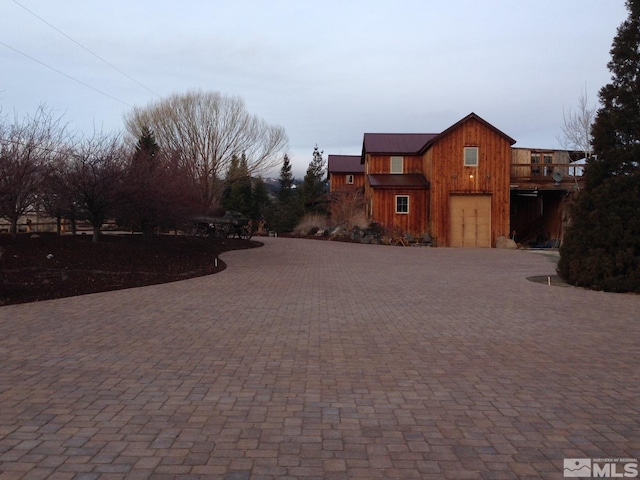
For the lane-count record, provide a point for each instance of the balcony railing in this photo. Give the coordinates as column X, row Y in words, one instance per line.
column 542, row 173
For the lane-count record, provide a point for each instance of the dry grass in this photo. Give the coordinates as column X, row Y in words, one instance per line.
column 310, row 224
column 347, row 209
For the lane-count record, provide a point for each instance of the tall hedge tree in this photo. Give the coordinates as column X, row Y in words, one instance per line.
column 601, row 248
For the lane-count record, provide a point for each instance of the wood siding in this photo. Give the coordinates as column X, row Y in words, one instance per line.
column 382, row 163
column 381, row 202
column 384, row 210
column 444, row 168
column 338, row 181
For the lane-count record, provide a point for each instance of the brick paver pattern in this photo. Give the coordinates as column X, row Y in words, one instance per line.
column 324, row 360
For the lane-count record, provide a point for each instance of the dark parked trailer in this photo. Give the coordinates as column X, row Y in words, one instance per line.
column 231, row 225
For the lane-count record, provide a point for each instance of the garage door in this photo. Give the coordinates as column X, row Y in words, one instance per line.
column 470, row 217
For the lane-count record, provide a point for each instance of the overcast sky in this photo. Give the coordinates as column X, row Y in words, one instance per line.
column 327, row 71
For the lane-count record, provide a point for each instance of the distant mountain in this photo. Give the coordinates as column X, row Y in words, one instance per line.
column 273, row 185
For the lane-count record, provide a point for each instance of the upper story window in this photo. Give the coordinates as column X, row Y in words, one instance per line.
column 470, row 156
column 548, row 161
column 535, row 164
column 349, row 179
column 397, row 164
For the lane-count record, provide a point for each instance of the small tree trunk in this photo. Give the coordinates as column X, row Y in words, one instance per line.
column 96, row 233
column 14, row 226
column 147, row 230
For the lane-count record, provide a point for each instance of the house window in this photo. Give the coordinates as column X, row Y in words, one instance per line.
column 402, row 204
column 349, row 179
column 470, row 156
column 547, row 158
column 535, row 164
column 397, row 164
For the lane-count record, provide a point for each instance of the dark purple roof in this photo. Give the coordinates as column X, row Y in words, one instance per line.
column 344, row 164
column 415, row 143
column 391, row 180
column 396, row 143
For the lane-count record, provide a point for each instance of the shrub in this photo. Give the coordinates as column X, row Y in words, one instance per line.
column 310, row 224
column 347, row 209
column 601, row 248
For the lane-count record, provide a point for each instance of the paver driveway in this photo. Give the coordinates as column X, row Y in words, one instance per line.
column 308, row 359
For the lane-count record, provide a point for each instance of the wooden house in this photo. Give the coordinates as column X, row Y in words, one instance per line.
column 542, row 182
column 346, row 172
column 458, row 186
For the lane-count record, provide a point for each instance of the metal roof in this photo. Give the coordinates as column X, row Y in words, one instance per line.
column 416, row 143
column 396, row 143
column 391, row 180
column 344, row 164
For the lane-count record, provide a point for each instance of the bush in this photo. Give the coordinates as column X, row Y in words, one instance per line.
column 310, row 224
column 601, row 248
column 347, row 209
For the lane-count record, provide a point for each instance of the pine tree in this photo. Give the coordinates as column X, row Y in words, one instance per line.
column 314, row 185
column 260, row 200
column 238, row 194
column 285, row 193
column 601, row 248
column 284, row 214
column 146, row 148
column 144, row 185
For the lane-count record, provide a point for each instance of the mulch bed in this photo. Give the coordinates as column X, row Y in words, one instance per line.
column 46, row 266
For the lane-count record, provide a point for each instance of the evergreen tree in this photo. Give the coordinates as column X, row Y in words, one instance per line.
column 260, row 199
column 601, row 248
column 284, row 215
column 314, row 185
column 285, row 194
column 238, row 194
column 146, row 148
column 144, row 187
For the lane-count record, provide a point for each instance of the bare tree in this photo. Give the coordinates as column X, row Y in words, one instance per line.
column 94, row 175
column 347, row 208
column 57, row 199
column 206, row 130
column 576, row 126
column 26, row 147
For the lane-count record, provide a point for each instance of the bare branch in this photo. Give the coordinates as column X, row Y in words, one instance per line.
column 206, row 130
column 576, row 127
column 27, row 147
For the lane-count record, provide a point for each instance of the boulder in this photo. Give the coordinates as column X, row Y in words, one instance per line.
column 507, row 243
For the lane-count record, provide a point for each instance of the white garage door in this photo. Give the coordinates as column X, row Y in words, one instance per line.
column 470, row 217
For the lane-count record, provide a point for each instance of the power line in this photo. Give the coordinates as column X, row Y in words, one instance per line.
column 65, row 74
column 86, row 49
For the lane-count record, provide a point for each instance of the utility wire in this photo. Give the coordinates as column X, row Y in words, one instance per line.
column 85, row 48
column 66, row 75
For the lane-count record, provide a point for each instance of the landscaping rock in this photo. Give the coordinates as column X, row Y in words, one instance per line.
column 506, row 243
